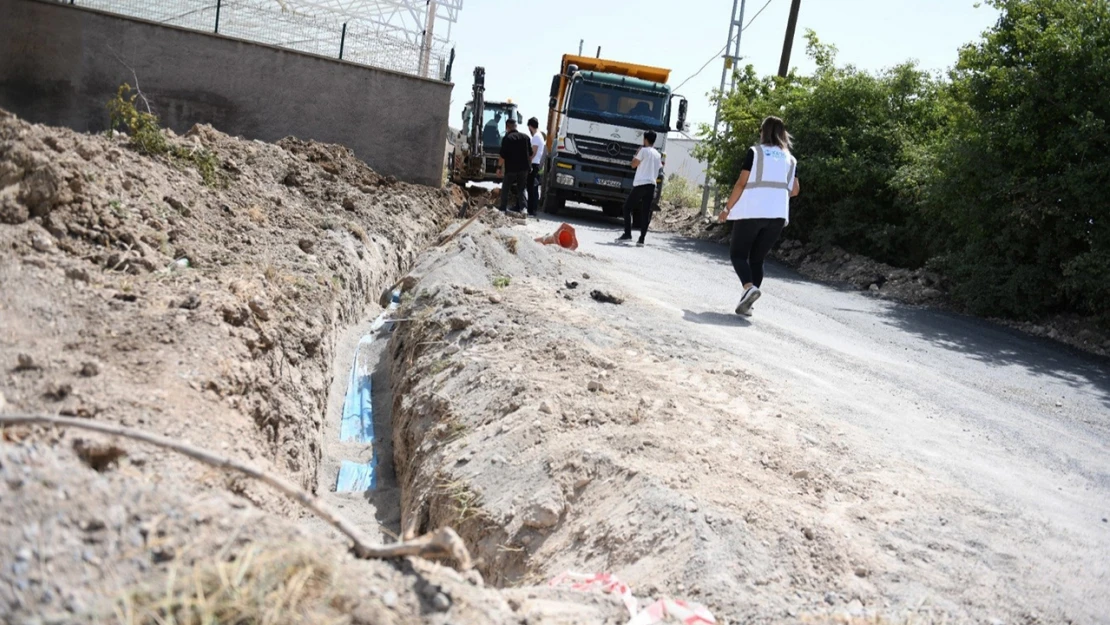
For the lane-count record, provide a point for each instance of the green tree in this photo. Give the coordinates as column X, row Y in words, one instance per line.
column 1021, row 176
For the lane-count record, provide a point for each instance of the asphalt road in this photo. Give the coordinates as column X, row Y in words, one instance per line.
column 1022, row 422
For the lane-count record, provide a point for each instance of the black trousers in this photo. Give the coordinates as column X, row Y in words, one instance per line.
column 639, row 200
column 533, row 189
column 752, row 240
column 513, row 185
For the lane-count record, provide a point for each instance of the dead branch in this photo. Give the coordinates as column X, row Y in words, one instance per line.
column 135, row 76
column 442, row 543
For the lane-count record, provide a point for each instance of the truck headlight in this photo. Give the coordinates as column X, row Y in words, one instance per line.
column 564, row 179
column 566, row 144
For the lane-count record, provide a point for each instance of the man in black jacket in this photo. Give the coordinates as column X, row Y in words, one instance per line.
column 515, row 160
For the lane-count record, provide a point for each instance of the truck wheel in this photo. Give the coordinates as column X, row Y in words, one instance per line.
column 553, row 202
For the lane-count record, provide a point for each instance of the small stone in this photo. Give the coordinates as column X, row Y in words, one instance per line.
column 595, row 386
column 452, row 349
column 545, row 509
column 306, row 245
column 260, row 309
column 441, row 602
column 77, row 274
column 42, row 242
column 25, row 362
column 874, row 288
column 545, row 408
column 861, row 571
column 349, row 203
column 494, row 298
column 808, row 533
column 90, row 369
column 23, row 555
column 389, row 599
column 831, row 598
column 691, row 507
column 585, row 276
column 801, row 475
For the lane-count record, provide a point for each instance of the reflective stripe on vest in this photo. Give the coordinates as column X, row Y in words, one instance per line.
column 760, row 183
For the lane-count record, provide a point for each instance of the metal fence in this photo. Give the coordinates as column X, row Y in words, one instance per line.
column 267, row 21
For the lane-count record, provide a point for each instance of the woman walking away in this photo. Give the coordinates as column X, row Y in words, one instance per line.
column 759, row 206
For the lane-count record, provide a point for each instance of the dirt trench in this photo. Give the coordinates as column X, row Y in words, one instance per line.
column 135, row 293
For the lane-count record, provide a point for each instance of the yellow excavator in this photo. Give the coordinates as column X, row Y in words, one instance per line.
column 474, row 158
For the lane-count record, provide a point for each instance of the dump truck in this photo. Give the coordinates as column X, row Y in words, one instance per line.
column 474, row 158
column 598, row 113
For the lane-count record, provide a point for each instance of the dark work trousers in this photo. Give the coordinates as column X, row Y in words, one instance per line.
column 533, row 189
column 517, row 179
column 639, row 200
column 752, row 240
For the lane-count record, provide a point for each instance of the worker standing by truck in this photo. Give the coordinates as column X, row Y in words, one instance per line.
column 534, row 173
column 648, row 163
column 515, row 161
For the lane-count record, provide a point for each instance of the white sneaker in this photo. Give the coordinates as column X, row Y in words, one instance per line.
column 746, row 301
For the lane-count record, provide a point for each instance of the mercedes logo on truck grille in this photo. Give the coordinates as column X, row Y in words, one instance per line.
column 614, row 149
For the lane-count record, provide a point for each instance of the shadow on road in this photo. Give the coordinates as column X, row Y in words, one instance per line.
column 999, row 346
column 715, row 319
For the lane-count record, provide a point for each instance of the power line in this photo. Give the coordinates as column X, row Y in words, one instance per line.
column 722, row 50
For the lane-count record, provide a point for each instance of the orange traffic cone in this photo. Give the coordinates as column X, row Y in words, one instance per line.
column 564, row 237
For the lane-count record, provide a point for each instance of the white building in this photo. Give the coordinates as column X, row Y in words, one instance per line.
column 679, row 160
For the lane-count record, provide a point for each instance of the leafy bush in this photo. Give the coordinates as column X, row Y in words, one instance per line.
column 145, row 136
column 679, row 192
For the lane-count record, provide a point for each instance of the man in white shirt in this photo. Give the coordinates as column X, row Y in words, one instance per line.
column 648, row 164
column 534, row 173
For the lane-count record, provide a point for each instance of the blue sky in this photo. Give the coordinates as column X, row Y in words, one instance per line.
column 520, row 42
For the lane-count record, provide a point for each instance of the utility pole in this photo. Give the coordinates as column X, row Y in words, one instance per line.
column 788, row 44
column 731, row 58
column 429, row 39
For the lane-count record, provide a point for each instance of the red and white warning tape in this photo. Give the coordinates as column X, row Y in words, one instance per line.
column 659, row 612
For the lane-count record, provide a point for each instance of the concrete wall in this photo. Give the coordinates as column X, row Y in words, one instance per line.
column 59, row 65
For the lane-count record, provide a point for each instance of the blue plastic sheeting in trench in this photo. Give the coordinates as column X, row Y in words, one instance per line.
column 356, row 477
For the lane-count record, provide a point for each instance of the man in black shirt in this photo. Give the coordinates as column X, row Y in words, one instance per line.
column 515, row 161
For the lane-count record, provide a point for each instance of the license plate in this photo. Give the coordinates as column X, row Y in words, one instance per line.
column 608, row 182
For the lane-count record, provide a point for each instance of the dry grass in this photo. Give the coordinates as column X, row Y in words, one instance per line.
column 255, row 214
column 265, row 585
column 358, row 231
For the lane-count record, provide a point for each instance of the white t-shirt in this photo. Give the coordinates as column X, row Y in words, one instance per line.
column 650, row 164
column 537, row 142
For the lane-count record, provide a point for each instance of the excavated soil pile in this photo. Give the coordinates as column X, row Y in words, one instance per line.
column 134, row 294
column 560, row 423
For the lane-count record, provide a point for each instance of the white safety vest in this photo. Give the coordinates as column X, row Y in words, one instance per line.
column 767, row 193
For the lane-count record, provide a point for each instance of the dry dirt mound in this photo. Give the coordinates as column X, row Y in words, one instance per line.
column 557, row 431
column 135, row 294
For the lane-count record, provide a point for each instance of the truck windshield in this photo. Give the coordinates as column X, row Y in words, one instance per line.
column 614, row 105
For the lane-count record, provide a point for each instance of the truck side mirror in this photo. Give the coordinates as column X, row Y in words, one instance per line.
column 551, row 103
column 682, row 106
column 555, row 80
column 572, row 70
